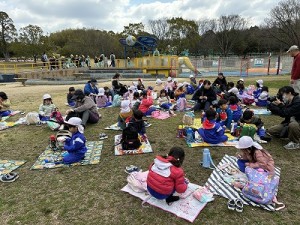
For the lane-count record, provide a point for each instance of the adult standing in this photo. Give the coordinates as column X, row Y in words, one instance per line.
column 295, row 73
column 288, row 108
column 112, row 58
column 85, row 108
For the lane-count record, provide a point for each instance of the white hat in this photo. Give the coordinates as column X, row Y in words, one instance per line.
column 46, row 96
column 191, row 76
column 247, row 142
column 241, row 79
column 180, row 85
column 175, row 80
column 125, row 106
column 134, row 83
column 185, row 83
column 101, row 92
column 158, row 81
column 234, row 90
column 132, row 88
column 292, row 48
column 260, row 82
column 75, row 121
column 169, row 79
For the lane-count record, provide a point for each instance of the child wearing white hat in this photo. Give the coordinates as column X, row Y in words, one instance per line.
column 125, row 113
column 158, row 86
column 169, row 87
column 102, row 100
column 46, row 108
column 75, row 146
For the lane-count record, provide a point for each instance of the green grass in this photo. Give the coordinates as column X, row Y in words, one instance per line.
column 91, row 194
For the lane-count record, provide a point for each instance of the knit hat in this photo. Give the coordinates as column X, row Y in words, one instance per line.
column 247, row 142
column 101, row 92
column 125, row 106
column 75, row 121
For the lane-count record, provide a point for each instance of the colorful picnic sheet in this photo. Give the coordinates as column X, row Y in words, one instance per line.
column 145, row 147
column 187, row 208
column 217, row 184
column 92, row 156
column 197, row 124
column 7, row 166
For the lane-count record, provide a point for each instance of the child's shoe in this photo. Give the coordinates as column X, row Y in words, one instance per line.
column 9, row 177
column 131, row 168
column 172, row 199
column 103, row 136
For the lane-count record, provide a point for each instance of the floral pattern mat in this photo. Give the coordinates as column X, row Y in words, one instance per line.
column 7, row 166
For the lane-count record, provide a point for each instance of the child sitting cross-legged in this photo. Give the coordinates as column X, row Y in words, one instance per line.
column 235, row 108
column 125, row 113
column 137, row 122
column 146, row 104
column 75, row 146
column 46, row 108
column 212, row 132
column 163, row 100
column 101, row 99
column 166, row 176
column 224, row 114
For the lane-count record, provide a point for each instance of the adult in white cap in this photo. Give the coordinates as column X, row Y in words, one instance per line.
column 75, row 146
column 253, row 155
column 295, row 73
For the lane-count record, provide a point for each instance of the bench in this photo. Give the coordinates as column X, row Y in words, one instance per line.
column 22, row 80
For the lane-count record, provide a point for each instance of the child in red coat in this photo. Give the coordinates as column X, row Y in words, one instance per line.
column 166, row 176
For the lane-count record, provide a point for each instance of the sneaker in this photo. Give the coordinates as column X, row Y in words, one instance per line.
column 147, row 124
column 231, row 204
column 292, row 145
column 131, row 168
column 9, row 177
column 239, row 206
column 172, row 199
column 103, row 136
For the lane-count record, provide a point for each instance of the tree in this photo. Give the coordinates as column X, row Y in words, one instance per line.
column 159, row 28
column 133, row 29
column 284, row 22
column 7, row 33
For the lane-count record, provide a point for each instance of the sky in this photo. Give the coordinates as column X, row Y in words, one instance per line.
column 113, row 15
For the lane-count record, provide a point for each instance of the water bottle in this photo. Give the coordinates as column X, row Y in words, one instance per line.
column 232, row 127
column 189, row 135
column 53, row 142
column 207, row 161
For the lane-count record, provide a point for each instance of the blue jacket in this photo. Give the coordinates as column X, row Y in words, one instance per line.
column 212, row 132
column 225, row 117
column 257, row 92
column 76, row 144
column 88, row 89
column 237, row 112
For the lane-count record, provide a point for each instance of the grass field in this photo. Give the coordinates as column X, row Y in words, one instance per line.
column 91, row 194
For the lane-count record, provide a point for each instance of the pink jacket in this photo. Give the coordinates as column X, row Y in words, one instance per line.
column 145, row 104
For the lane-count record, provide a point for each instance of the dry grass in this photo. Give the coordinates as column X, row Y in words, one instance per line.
column 91, row 194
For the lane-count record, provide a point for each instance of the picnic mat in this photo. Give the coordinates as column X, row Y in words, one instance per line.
column 188, row 208
column 145, row 148
column 92, row 156
column 4, row 118
column 197, row 124
column 7, row 166
column 116, row 127
column 232, row 141
column 261, row 111
column 218, row 186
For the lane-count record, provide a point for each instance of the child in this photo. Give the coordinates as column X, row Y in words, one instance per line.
column 129, row 94
column 137, row 122
column 124, row 113
column 135, row 102
column 158, row 85
column 193, row 81
column 4, row 105
column 180, row 91
column 224, row 114
column 212, row 132
column 46, row 108
column 108, row 94
column 262, row 99
column 259, row 85
column 146, row 104
column 253, row 155
column 164, row 101
column 166, row 176
column 75, row 146
column 140, row 85
column 250, row 118
column 70, row 95
column 102, row 100
column 169, row 85
column 235, row 108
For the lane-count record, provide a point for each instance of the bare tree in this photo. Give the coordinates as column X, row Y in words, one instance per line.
column 284, row 22
column 159, row 28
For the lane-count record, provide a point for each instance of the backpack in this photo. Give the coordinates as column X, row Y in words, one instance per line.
column 130, row 139
column 260, row 188
column 248, row 130
column 57, row 117
column 117, row 101
column 137, row 181
column 32, row 118
column 61, row 137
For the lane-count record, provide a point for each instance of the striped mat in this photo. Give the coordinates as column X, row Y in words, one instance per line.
column 219, row 186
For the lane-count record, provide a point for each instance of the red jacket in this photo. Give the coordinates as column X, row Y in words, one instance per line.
column 296, row 68
column 164, row 178
column 145, row 104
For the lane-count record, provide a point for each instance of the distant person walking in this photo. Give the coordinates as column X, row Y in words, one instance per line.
column 112, row 60
column 44, row 58
column 295, row 73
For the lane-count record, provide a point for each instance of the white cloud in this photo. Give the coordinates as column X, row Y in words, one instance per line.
column 114, row 14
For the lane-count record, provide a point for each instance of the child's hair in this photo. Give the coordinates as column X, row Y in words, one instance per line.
column 222, row 102
column 163, row 91
column 210, row 114
column 106, row 88
column 206, row 82
column 3, row 95
column 252, row 152
column 265, row 88
column 230, row 85
column 232, row 100
column 240, row 86
column 178, row 154
column 138, row 114
column 71, row 89
column 144, row 93
column 248, row 114
column 257, row 85
column 136, row 95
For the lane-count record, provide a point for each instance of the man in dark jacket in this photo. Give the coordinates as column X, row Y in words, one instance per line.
column 204, row 97
column 290, row 110
column 220, row 83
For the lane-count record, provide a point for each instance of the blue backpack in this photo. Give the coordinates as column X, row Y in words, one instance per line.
column 190, row 90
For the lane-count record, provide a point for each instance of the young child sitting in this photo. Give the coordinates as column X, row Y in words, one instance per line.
column 75, row 146
column 102, row 100
column 259, row 85
column 253, row 155
column 135, row 102
column 108, row 94
column 224, row 114
column 180, row 91
column 129, row 94
column 140, row 85
column 163, row 100
column 250, row 119
column 235, row 108
column 262, row 99
column 231, row 91
column 146, row 104
column 124, row 113
column 137, row 122
column 212, row 132
column 169, row 85
column 166, row 176
column 46, row 108
column 4, row 105
column 70, row 96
